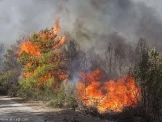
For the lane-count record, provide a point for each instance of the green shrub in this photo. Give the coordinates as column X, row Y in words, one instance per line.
column 64, row 97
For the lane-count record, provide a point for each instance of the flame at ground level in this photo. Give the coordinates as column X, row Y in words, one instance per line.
column 110, row 95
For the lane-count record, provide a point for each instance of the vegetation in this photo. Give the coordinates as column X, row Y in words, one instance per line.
column 40, row 66
column 10, row 73
column 148, row 72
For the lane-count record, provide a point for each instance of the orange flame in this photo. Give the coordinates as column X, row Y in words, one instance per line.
column 56, row 28
column 27, row 74
column 45, row 77
column 50, row 39
column 29, row 64
column 61, row 42
column 29, row 48
column 110, row 95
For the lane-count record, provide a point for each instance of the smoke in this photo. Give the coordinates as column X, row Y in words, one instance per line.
column 95, row 22
column 90, row 22
column 18, row 19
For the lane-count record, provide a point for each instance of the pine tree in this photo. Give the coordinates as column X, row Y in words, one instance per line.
column 42, row 59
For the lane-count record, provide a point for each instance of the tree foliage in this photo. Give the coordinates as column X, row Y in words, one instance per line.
column 10, row 73
column 43, row 62
column 148, row 72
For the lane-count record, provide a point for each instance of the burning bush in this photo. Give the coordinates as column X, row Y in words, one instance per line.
column 110, row 95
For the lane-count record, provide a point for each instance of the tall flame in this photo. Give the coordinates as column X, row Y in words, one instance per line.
column 110, row 95
column 56, row 28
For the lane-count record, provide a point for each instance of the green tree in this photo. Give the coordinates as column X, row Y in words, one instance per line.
column 148, row 72
column 10, row 73
column 43, row 64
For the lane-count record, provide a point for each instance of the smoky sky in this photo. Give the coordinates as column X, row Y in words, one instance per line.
column 89, row 22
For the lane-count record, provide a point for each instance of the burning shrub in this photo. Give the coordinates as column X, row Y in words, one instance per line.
column 110, row 95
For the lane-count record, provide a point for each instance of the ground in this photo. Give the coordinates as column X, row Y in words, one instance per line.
column 20, row 110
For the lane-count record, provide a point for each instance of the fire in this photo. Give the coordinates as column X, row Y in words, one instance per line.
column 56, row 28
column 36, row 48
column 29, row 64
column 45, row 77
column 61, row 42
column 110, row 95
column 30, row 48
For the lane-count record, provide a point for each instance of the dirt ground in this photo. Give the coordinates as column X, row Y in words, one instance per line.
column 20, row 110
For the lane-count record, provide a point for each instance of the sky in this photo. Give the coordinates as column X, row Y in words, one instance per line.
column 19, row 18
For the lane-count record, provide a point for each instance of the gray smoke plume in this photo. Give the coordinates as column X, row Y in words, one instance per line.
column 89, row 22
column 97, row 20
